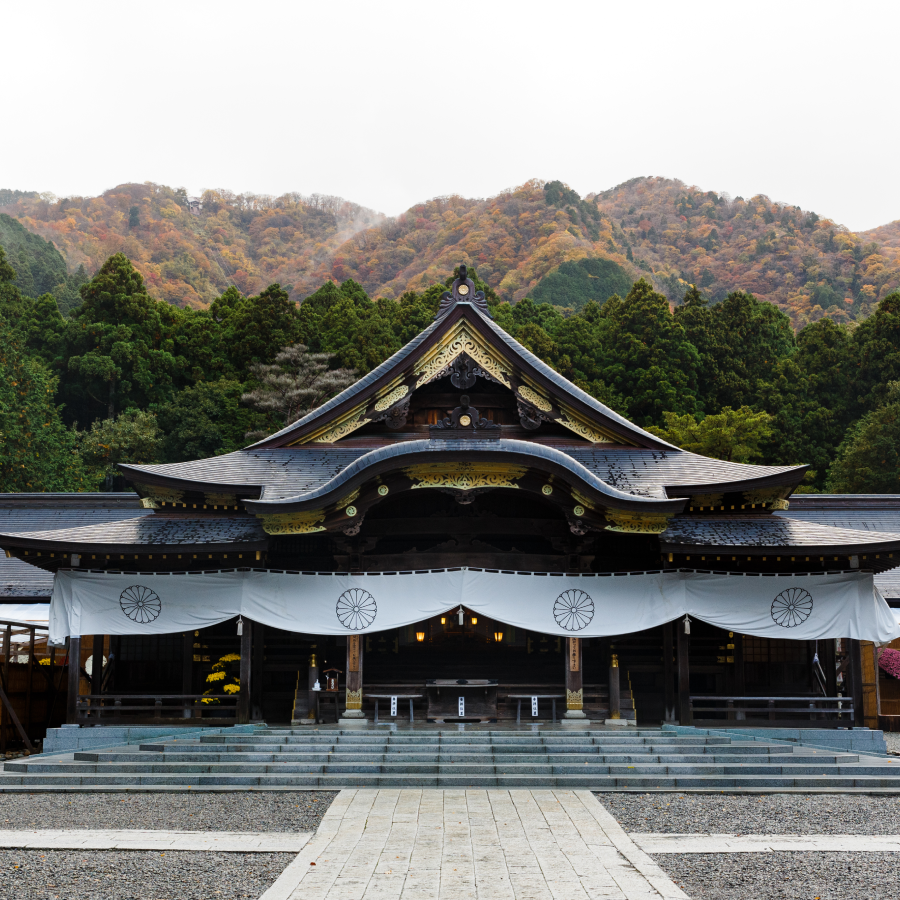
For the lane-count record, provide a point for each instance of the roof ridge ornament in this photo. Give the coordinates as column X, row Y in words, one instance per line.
column 462, row 291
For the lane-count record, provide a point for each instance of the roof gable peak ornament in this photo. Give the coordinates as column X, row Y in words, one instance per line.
column 462, row 291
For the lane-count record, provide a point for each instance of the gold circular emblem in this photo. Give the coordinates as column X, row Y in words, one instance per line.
column 547, row 490
column 382, row 490
column 465, row 421
column 463, row 289
column 579, row 510
column 351, row 510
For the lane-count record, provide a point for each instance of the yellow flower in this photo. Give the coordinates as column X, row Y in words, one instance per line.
column 216, row 676
column 232, row 688
column 230, row 657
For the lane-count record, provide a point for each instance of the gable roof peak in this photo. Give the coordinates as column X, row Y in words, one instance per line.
column 462, row 291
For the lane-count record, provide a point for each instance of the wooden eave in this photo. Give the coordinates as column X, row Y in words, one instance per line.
column 397, row 457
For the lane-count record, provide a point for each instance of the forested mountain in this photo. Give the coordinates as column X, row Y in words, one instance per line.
column 246, row 240
column 885, row 235
column 671, row 234
column 129, row 378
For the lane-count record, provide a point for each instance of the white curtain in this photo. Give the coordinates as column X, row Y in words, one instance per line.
column 787, row 606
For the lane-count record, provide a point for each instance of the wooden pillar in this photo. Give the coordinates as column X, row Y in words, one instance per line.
column 28, row 684
column 856, row 683
column 574, row 679
column 354, row 677
column 4, row 714
column 256, row 672
column 828, row 661
column 97, row 667
column 187, row 669
column 615, row 689
column 74, row 673
column 243, row 708
column 669, row 713
column 685, row 716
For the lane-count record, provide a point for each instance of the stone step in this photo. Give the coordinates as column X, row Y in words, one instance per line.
column 465, row 737
column 227, row 769
column 178, row 755
column 337, row 781
column 287, row 759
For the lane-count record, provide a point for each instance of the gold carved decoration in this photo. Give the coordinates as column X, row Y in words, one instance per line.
column 346, row 501
column 458, row 341
column 157, row 494
column 355, row 419
column 354, row 699
column 765, row 495
column 220, row 499
column 582, row 500
column 582, row 430
column 707, row 500
column 390, row 399
column 294, row 523
column 636, row 523
column 575, row 699
column 465, row 476
column 534, row 398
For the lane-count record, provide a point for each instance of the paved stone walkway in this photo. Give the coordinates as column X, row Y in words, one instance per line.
column 459, row 844
column 136, row 839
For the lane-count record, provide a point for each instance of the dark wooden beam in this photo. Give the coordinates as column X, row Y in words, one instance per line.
column 856, row 683
column 97, row 665
column 257, row 661
column 187, row 664
column 473, row 525
column 685, row 717
column 403, row 562
column 243, row 707
column 74, row 673
column 669, row 712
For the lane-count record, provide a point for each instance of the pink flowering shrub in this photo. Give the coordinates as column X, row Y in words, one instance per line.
column 889, row 661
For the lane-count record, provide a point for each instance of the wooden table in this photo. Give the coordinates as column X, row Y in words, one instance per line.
column 410, row 697
column 479, row 697
column 327, row 695
column 520, row 697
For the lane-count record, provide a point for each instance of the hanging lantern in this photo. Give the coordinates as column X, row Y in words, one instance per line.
column 420, row 636
column 498, row 636
column 443, row 620
column 474, row 620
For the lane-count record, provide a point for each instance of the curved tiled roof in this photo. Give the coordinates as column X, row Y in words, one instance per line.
column 294, row 472
column 513, row 452
column 158, row 530
column 761, row 532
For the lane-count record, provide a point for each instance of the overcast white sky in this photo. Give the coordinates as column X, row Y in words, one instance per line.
column 389, row 103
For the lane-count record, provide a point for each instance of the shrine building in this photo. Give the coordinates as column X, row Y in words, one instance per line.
column 460, row 532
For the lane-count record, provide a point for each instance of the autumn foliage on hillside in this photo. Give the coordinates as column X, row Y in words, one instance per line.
column 807, row 265
column 659, row 229
column 247, row 240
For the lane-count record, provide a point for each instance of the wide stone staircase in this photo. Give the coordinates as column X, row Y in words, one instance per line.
column 595, row 759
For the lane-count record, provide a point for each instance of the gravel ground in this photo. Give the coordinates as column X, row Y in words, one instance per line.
column 755, row 813
column 136, row 875
column 240, row 811
column 773, row 876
